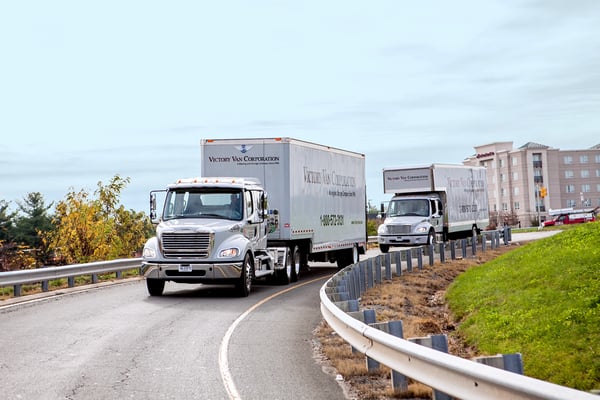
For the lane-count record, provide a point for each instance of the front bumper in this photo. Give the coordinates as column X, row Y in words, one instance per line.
column 192, row 272
column 402, row 240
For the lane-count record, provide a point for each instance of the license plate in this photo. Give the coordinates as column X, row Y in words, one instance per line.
column 185, row 268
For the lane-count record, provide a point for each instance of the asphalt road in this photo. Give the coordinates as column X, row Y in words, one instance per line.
column 195, row 342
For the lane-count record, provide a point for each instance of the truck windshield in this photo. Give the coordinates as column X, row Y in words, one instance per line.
column 408, row 208
column 208, row 203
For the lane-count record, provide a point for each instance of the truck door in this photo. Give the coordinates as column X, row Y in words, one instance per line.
column 436, row 214
column 254, row 228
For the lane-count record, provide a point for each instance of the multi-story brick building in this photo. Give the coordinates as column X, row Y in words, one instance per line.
column 517, row 179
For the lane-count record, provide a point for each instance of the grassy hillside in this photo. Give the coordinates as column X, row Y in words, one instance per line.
column 542, row 300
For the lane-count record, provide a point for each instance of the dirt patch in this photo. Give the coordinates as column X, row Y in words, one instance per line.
column 418, row 299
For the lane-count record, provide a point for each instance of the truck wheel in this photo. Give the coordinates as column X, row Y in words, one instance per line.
column 431, row 238
column 347, row 257
column 355, row 257
column 245, row 281
column 295, row 272
column 384, row 248
column 155, row 286
column 284, row 276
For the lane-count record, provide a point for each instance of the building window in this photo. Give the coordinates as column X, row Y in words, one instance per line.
column 583, row 159
column 598, row 173
column 568, row 159
column 504, row 207
column 502, row 192
column 502, row 178
column 598, row 188
column 517, row 205
column 514, row 161
column 585, row 188
column 515, row 176
column 568, row 174
column 570, row 189
column 585, row 173
column 571, row 203
column 516, row 190
column 597, row 157
column 501, row 162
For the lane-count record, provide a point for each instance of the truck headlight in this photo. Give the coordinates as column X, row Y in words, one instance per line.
column 422, row 229
column 149, row 253
column 229, row 253
column 382, row 230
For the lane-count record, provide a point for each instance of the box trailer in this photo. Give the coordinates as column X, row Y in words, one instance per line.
column 316, row 193
column 433, row 202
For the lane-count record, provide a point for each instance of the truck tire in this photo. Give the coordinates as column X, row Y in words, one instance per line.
column 295, row 272
column 284, row 276
column 431, row 237
column 384, row 248
column 244, row 284
column 155, row 286
column 347, row 257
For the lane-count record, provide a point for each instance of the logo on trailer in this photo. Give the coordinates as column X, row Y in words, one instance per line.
column 244, row 148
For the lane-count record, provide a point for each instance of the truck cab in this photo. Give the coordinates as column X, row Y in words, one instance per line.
column 411, row 220
column 211, row 230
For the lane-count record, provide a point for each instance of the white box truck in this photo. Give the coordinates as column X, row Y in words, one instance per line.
column 433, row 202
column 263, row 208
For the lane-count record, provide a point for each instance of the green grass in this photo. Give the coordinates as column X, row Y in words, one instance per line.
column 541, row 300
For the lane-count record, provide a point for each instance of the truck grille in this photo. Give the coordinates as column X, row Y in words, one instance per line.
column 399, row 229
column 186, row 245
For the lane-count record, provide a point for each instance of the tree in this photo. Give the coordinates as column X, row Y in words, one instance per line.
column 96, row 229
column 6, row 222
column 32, row 221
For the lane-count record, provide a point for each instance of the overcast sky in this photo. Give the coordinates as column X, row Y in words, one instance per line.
column 90, row 89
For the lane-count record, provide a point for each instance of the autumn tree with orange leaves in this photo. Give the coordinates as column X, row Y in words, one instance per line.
column 97, row 228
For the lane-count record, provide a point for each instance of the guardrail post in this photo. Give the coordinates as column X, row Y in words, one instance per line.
column 94, row 278
column 355, row 280
column 349, row 306
column 362, row 277
column 506, row 235
column 17, row 290
column 453, row 249
column 442, row 252
column 408, row 253
column 394, row 328
column 367, row 317
column 436, row 342
column 398, row 256
column 463, row 247
column 378, row 269
column 483, row 241
column 71, row 281
column 370, row 279
column 387, row 259
column 119, row 274
column 420, row 257
column 474, row 246
column 431, row 254
column 45, row 285
column 508, row 362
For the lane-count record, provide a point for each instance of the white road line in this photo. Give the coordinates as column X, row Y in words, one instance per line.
column 224, row 348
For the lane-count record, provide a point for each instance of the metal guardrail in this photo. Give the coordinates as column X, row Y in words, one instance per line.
column 44, row 275
column 452, row 375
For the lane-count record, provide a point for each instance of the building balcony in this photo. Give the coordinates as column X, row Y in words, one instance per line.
column 537, row 164
column 538, row 179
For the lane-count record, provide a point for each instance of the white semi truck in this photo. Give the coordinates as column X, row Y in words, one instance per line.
column 300, row 202
column 433, row 202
